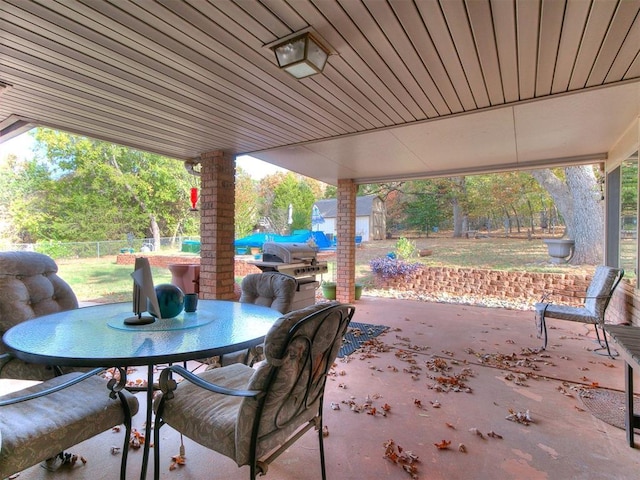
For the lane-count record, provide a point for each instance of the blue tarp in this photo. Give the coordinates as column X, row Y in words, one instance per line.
column 300, row 236
column 322, row 241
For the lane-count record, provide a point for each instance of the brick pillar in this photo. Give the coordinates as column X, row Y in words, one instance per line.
column 217, row 207
column 346, row 232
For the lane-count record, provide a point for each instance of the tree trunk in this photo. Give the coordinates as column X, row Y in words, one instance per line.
column 155, row 232
column 516, row 215
column 507, row 222
column 578, row 201
column 459, row 207
column 457, row 218
column 531, row 222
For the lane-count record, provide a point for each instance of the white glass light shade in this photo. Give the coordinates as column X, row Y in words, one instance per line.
column 301, row 56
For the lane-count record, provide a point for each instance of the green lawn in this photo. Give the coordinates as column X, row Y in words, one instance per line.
column 102, row 280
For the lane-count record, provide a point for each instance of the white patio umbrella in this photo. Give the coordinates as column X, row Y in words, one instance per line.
column 316, row 217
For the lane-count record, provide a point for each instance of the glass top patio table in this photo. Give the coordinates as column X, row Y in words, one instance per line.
column 98, row 337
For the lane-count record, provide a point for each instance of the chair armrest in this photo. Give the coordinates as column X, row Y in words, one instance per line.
column 50, row 390
column 168, row 384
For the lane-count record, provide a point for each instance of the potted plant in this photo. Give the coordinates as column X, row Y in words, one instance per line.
column 329, row 290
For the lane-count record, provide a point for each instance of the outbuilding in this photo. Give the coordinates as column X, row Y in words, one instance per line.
column 371, row 217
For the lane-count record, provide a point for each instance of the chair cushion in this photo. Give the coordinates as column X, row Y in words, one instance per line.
column 566, row 312
column 289, row 388
column 37, row 429
column 269, row 289
column 29, row 287
column 211, row 418
column 600, row 286
column 278, row 333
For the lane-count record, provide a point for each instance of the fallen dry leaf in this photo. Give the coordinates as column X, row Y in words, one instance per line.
column 443, row 445
column 177, row 460
column 136, row 440
column 519, row 417
column 397, row 455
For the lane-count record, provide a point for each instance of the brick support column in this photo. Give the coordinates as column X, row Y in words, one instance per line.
column 217, row 208
column 346, row 232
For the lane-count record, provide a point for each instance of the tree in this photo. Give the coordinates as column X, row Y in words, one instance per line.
column 577, row 196
column 498, row 198
column 424, row 206
column 294, row 190
column 247, row 204
column 78, row 189
column 26, row 185
column 279, row 190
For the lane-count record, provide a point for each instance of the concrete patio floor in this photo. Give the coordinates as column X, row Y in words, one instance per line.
column 563, row 441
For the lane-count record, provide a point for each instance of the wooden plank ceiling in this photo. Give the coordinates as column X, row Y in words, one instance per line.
column 414, row 88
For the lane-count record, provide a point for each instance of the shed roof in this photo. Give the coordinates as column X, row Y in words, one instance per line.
column 364, row 206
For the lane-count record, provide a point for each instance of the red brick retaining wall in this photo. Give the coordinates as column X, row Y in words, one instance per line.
column 522, row 286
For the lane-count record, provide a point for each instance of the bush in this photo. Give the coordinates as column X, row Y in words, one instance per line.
column 406, row 248
column 391, row 267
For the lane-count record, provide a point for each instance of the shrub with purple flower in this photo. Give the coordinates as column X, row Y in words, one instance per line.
column 392, row 267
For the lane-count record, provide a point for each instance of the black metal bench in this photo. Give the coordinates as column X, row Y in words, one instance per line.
column 628, row 340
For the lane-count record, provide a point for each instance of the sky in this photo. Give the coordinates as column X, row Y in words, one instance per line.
column 22, row 145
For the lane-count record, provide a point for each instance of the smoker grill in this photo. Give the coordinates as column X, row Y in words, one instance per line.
column 297, row 260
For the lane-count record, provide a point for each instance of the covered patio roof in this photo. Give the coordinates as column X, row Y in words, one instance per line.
column 412, row 88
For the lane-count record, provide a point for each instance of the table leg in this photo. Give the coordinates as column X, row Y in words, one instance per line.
column 630, row 417
column 147, row 427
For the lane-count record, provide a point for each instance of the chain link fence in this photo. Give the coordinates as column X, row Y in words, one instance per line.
column 104, row 248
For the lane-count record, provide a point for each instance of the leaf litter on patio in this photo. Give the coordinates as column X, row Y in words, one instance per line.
column 447, row 373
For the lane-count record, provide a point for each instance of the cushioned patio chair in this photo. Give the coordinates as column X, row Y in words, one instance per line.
column 253, row 415
column 30, row 287
column 41, row 421
column 269, row 289
column 599, row 293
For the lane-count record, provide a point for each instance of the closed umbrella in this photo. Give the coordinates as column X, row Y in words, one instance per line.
column 316, row 216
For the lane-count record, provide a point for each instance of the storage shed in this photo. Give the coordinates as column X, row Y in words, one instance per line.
column 371, row 217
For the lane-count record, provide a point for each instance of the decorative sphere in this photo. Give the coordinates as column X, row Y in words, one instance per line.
column 170, row 301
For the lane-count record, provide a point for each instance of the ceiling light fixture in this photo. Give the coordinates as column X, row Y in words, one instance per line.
column 301, row 55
